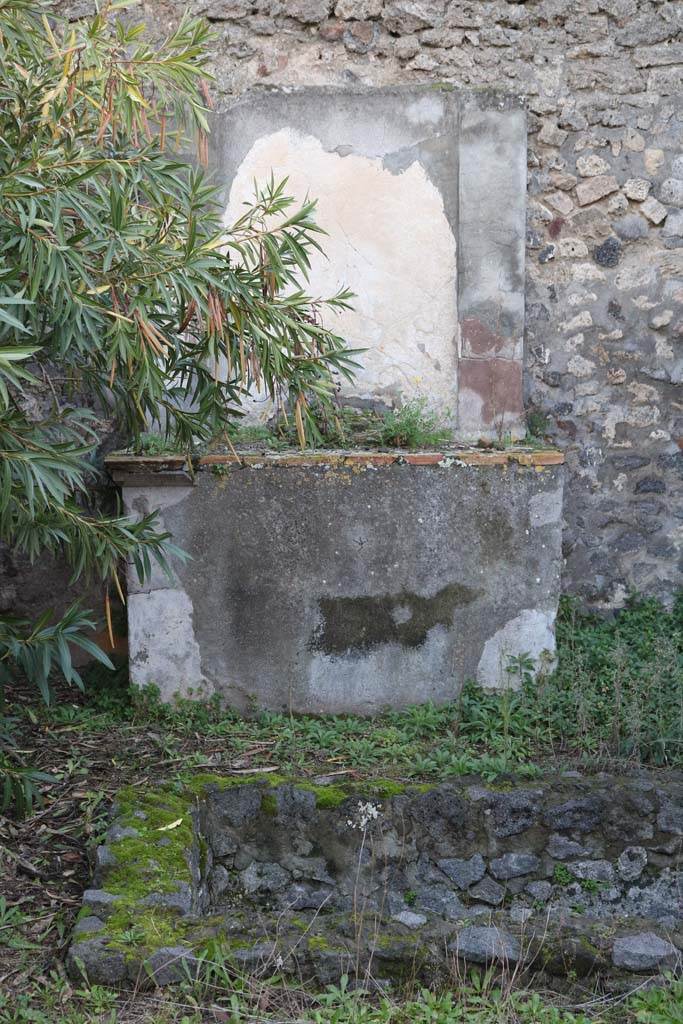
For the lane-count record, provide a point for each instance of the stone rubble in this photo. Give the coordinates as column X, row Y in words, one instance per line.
column 551, row 877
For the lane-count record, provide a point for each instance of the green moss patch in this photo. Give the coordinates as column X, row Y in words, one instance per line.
column 145, row 929
column 326, row 795
column 157, row 859
column 198, row 783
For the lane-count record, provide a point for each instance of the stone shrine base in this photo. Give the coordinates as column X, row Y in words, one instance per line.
column 345, row 582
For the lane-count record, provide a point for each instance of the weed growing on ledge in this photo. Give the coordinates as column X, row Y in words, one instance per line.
column 537, row 424
column 413, row 426
column 150, row 443
column 410, row 426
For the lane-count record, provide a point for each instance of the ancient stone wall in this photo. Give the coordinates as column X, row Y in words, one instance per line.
column 568, row 876
column 603, row 80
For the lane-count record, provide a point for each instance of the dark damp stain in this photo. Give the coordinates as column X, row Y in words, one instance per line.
column 361, row 623
column 497, row 535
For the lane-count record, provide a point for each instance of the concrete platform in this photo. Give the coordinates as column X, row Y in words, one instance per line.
column 346, row 582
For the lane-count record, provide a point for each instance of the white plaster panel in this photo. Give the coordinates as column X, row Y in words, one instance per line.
column 531, row 632
column 339, row 682
column 388, row 240
column 162, row 645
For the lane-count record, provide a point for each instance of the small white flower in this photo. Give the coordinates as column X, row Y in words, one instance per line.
column 365, row 814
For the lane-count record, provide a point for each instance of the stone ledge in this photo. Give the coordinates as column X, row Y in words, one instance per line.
column 443, row 458
column 170, row 470
column 150, row 470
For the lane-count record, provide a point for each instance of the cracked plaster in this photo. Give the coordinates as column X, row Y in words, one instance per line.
column 388, row 240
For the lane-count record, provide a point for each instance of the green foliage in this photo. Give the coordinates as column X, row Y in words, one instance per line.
column 410, row 426
column 19, row 783
column 149, row 443
column 618, row 688
column 638, row 652
column 562, row 875
column 479, row 999
column 659, row 1005
column 35, row 648
column 254, row 434
column 136, row 288
column 480, row 733
column 413, row 426
column 536, row 423
column 123, row 297
column 10, row 917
